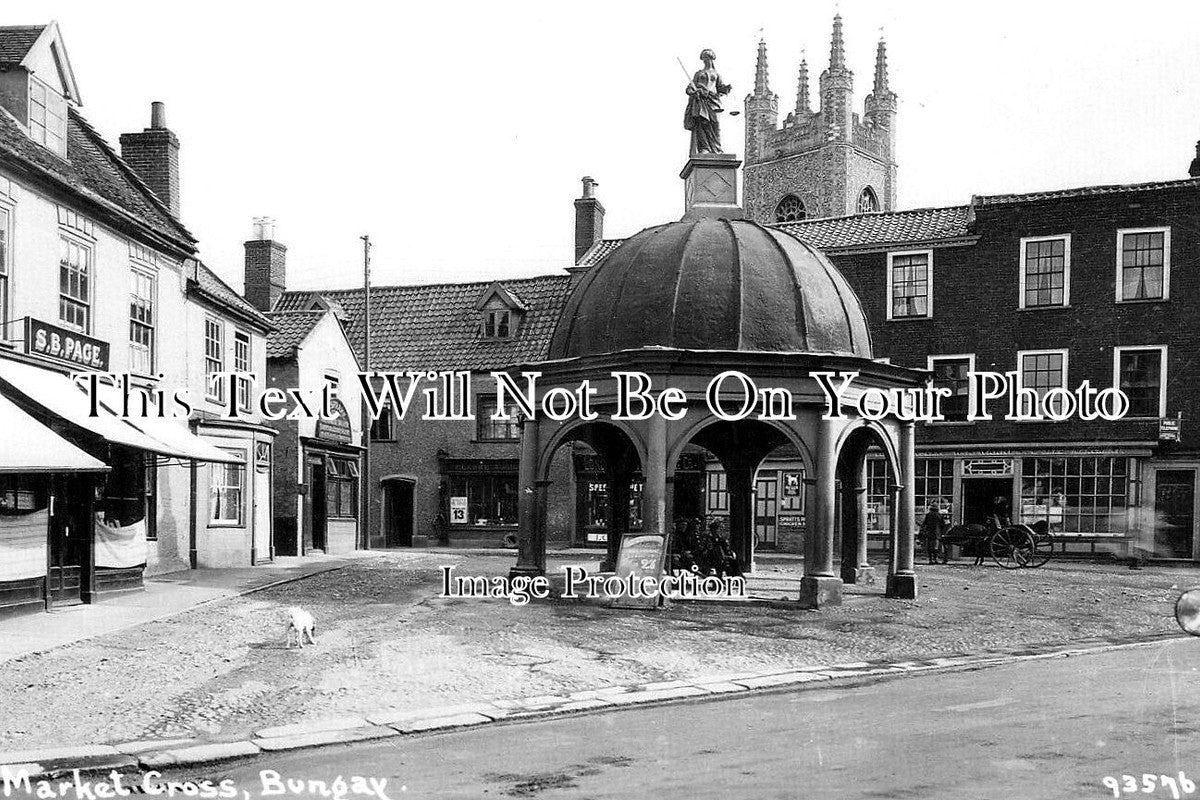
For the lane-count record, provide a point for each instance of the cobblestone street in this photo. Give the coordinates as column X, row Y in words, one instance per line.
column 386, row 641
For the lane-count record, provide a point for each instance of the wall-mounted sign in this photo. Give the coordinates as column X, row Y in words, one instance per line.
column 988, row 466
column 458, row 511
column 792, row 486
column 1170, row 430
column 335, row 430
column 60, row 344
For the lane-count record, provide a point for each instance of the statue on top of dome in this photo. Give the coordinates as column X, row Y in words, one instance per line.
column 704, row 105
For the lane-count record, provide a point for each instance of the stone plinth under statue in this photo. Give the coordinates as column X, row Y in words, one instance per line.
column 710, row 185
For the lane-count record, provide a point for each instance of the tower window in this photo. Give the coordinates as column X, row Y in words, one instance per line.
column 867, row 201
column 790, row 209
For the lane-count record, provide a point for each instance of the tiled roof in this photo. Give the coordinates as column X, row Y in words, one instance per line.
column 882, row 228
column 1086, row 191
column 291, row 327
column 436, row 326
column 599, row 251
column 93, row 170
column 859, row 230
column 15, row 41
column 220, row 292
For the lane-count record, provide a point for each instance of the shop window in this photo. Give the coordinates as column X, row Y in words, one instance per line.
column 21, row 494
column 1045, row 272
column 214, row 359
column 1143, row 264
column 341, row 487
column 74, row 285
column 227, row 489
column 383, row 428
column 499, row 430
column 953, row 373
column 635, row 505
column 596, row 510
column 483, row 499
column 1076, row 495
column 124, row 501
column 934, row 483
column 716, row 486
column 141, row 322
column 150, row 497
column 1141, row 374
column 910, row 285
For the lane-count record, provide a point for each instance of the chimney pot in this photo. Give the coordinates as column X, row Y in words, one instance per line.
column 589, row 186
column 264, row 229
column 158, row 115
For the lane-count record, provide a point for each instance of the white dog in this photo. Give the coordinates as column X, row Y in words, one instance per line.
column 302, row 623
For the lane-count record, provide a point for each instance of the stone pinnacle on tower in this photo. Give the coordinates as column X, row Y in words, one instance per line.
column 837, row 50
column 760, row 71
column 802, row 101
column 881, row 76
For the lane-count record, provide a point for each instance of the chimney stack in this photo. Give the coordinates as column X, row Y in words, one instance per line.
column 1194, row 169
column 154, row 156
column 589, row 219
column 266, row 266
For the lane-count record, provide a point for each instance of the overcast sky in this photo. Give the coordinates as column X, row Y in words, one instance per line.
column 455, row 133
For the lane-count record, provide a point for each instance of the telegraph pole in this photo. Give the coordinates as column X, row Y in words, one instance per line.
column 365, row 480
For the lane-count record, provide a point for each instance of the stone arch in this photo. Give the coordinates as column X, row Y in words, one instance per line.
column 685, row 438
column 573, row 431
column 851, row 448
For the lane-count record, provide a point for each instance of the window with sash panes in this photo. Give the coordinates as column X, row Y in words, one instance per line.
column 214, row 359
column 1144, row 262
column 5, row 235
column 953, row 373
column 909, row 285
column 488, row 429
column 47, row 116
column 141, row 322
column 74, row 285
column 1043, row 371
column 1045, row 272
column 1140, row 378
column 241, row 364
column 227, row 487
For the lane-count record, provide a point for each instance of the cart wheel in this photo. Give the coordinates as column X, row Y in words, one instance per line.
column 1043, row 548
column 1011, row 547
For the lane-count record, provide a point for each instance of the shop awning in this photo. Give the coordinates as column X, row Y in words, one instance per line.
column 27, row 445
column 61, row 396
column 171, row 433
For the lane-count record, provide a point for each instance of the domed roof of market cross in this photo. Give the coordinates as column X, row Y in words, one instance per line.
column 713, row 284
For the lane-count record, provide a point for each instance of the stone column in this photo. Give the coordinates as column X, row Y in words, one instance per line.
column 819, row 586
column 740, row 484
column 528, row 559
column 902, row 583
column 654, row 490
column 863, row 571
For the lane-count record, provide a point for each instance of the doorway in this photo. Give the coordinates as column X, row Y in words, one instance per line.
column 70, row 539
column 979, row 498
column 766, row 511
column 314, row 507
column 1174, row 513
column 398, row 512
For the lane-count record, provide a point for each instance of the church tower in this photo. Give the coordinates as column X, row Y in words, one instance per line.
column 827, row 163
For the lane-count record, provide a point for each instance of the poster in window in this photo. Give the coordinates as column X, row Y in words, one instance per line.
column 458, row 511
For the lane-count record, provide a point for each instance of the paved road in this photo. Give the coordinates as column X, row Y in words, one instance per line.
column 1037, row 729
